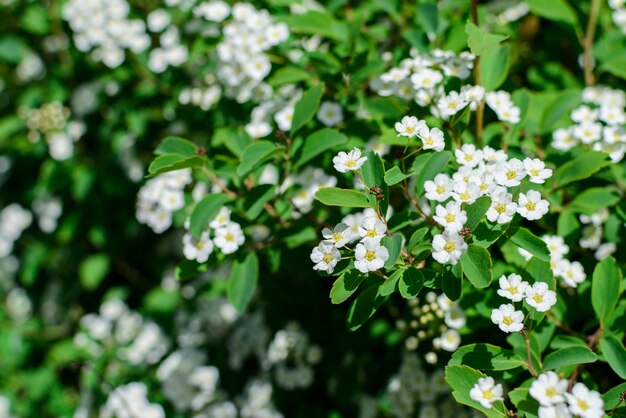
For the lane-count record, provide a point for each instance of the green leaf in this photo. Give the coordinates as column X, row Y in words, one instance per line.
column 452, row 285
column 591, row 200
column 35, row 20
column 256, row 198
column 364, row 306
column 334, row 196
column 288, row 75
column 568, row 356
column 605, row 288
column 486, row 233
column 204, row 211
column 176, row 145
column 433, row 166
column 581, row 167
column 93, row 269
column 385, row 107
column 486, row 357
column 525, row 239
column 254, row 154
column 306, row 107
column 558, row 10
column 318, row 142
column 494, row 66
column 525, row 404
column 615, row 354
column 615, row 65
column 567, row 225
column 416, row 238
column 479, row 40
column 476, row 264
column 428, row 16
column 476, row 211
column 243, row 280
column 541, row 271
column 462, row 379
column 611, row 397
column 412, row 282
column 172, row 162
column 394, row 246
column 394, row 176
column 161, row 301
column 374, row 175
column 346, row 285
column 234, row 140
column 317, row 23
column 187, row 269
column 389, row 286
column 12, row 49
column 558, row 111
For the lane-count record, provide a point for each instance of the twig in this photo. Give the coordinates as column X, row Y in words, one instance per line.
column 588, row 42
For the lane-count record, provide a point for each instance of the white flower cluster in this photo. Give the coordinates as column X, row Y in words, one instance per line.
column 514, row 288
column 279, row 106
column 486, row 392
column 483, row 172
column 619, row 13
column 104, row 26
column 187, row 382
column 571, row 272
column 421, row 77
column 291, row 356
column 309, row 180
column 227, row 236
column 411, row 127
column 209, row 321
column 131, row 401
column 51, row 122
column 243, row 64
column 257, row 401
column 599, row 123
column 14, row 219
column 592, row 234
column 369, row 253
column 136, row 340
column 160, row 197
column 554, row 400
column 414, row 392
column 48, row 210
column 170, row 53
column 202, row 96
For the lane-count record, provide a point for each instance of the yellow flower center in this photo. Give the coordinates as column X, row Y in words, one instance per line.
column 440, row 189
column 429, row 141
column 371, row 233
column 229, row 237
column 410, row 130
column 370, row 255
column 328, row 258
column 469, row 157
column 583, row 405
column 511, row 174
column 449, row 218
column 530, row 206
column 336, row 237
column 488, row 395
column 513, row 290
column 449, row 247
column 351, row 163
column 500, row 208
column 483, row 186
column 464, row 196
column 551, row 392
column 538, row 298
column 507, row 320
column 534, row 172
column 200, row 245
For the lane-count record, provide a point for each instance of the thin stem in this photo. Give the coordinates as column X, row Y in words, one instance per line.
column 480, row 111
column 530, row 363
column 588, row 42
column 592, row 341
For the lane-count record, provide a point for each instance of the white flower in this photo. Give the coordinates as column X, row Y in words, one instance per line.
column 486, row 392
column 605, row 250
column 556, row 246
column 563, row 139
column 466, row 192
column 548, row 389
column 158, row 20
column 454, row 317
column 284, row 117
column 221, row 219
column 440, row 188
column 330, row 113
column 325, row 256
column 536, row 170
column 395, row 75
column 451, row 104
column 198, row 250
column 554, row 411
column 531, row 206
column 450, row 340
column 468, row 155
column 585, row 403
column 584, row 114
column 350, row 161
column 572, row 273
column 512, row 287
column 338, row 236
column 448, row 247
column 426, row 78
column 587, row 132
column 502, row 207
column 507, row 318
column 229, row 238
column 451, row 217
column 510, row 173
column 353, row 222
column 409, row 126
column 509, row 114
column 540, row 297
column 432, row 138
column 474, row 94
column 372, row 229
column 214, row 10
column 370, row 256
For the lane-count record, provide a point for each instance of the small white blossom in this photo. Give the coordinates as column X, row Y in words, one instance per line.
column 502, row 207
column 221, row 219
column 531, row 206
column 409, row 126
column 197, row 249
column 554, row 411
column 510, row 173
column 339, row 236
column 536, row 170
column 469, row 155
column 507, row 318
column 451, row 104
column 585, row 403
column 325, row 256
column 466, row 192
column 372, row 229
column 229, row 238
column 486, row 392
column 440, row 188
column 448, row 247
column 540, row 297
column 548, row 389
column 370, row 256
column 451, row 217
column 350, row 161
column 330, row 113
column 432, row 138
column 450, row 340
column 512, row 287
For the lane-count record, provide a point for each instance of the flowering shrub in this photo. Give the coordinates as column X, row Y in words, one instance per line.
column 185, row 182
